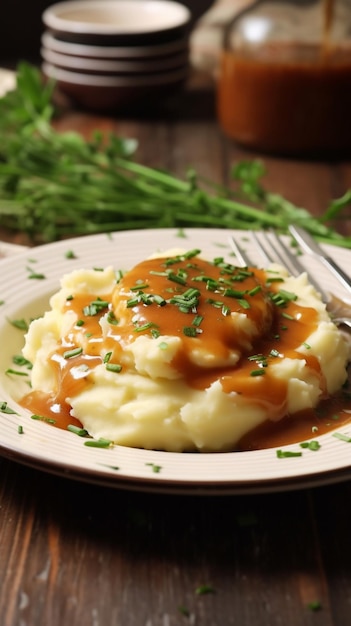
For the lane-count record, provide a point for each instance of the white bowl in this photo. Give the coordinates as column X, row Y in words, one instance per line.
column 118, row 93
column 113, row 17
column 51, row 42
column 107, row 66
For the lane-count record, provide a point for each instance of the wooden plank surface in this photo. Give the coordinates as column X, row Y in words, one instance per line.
column 79, row 554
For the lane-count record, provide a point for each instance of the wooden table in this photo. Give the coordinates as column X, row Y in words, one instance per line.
column 81, row 555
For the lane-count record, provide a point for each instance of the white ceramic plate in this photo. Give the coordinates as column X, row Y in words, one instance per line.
column 64, row 453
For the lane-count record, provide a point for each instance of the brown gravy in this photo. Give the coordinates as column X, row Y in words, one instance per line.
column 150, row 299
column 289, row 98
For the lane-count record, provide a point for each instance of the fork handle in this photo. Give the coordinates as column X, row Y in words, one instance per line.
column 342, row 277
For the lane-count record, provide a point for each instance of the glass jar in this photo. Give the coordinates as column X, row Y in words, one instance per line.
column 284, row 83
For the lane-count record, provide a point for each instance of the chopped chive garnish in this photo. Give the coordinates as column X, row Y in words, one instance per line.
column 107, row 357
column 18, row 359
column 218, row 304
column 176, row 278
column 234, row 293
column 342, row 437
column 155, row 468
column 113, row 467
column 111, row 318
column 146, row 326
column 113, row 367
column 70, row 254
column 119, row 275
column 140, row 285
column 10, row 371
column 244, row 303
column 95, row 307
column 43, row 418
column 81, row 432
column 69, row 354
column 197, row 320
column 259, row 372
column 287, row 316
column 35, row 275
column 4, row 408
column 288, row 295
column 182, row 257
column 69, row 298
column 189, row 331
column 80, row 323
column 132, row 302
column 225, row 310
column 20, row 324
column 274, row 279
column 159, row 300
column 154, row 273
column 98, row 443
column 20, row 430
column 286, row 454
column 261, row 360
column 311, row 445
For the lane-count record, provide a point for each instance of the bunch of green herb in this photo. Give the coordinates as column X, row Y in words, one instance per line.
column 55, row 184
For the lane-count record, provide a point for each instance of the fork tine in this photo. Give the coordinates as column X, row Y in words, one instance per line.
column 279, row 253
column 285, row 257
column 239, row 252
column 289, row 258
column 263, row 250
column 273, row 250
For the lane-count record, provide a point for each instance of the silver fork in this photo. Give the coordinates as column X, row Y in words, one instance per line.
column 274, row 250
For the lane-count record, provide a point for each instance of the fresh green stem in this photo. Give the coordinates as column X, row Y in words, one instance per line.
column 56, row 184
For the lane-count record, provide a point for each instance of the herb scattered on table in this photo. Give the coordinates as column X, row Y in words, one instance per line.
column 56, row 184
column 183, row 610
column 315, row 605
column 203, row 590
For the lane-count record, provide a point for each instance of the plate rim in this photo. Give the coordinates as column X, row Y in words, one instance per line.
column 158, row 482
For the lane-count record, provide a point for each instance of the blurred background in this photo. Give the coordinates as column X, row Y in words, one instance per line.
column 21, row 28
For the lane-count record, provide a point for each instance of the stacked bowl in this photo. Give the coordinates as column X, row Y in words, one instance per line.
column 116, row 54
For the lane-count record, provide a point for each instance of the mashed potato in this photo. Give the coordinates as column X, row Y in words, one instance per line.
column 182, row 353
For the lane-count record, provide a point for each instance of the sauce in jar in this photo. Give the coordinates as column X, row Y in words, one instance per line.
column 290, row 91
column 287, row 99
